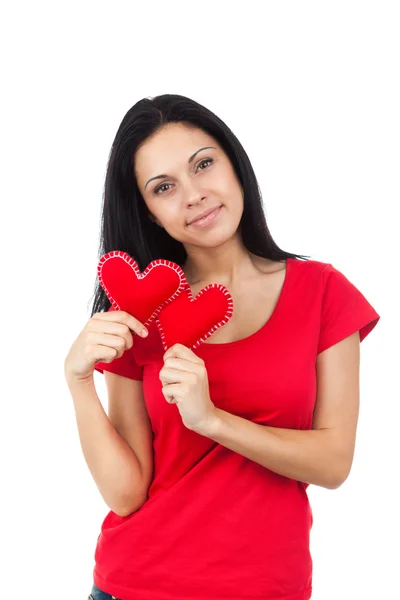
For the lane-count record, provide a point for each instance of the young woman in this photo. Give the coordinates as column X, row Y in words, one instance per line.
column 205, row 455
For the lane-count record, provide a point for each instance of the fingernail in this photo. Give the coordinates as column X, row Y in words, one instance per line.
column 144, row 332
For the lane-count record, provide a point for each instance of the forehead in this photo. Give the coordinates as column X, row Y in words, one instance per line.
column 170, row 146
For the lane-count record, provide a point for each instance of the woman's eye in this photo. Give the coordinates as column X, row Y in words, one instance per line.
column 160, row 187
column 206, row 160
column 164, row 185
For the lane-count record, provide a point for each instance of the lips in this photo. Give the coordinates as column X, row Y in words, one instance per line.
column 203, row 214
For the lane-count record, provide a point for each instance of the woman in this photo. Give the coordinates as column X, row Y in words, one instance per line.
column 205, row 456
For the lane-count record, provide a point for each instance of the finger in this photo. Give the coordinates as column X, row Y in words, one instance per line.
column 121, row 316
column 170, row 399
column 181, row 364
column 113, row 328
column 172, row 392
column 181, row 351
column 177, row 376
column 115, row 342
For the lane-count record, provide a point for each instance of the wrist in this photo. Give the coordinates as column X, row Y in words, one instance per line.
column 211, row 427
column 79, row 382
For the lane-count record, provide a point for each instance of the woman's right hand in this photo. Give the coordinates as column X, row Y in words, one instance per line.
column 105, row 336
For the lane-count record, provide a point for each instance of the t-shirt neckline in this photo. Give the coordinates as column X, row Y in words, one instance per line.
column 263, row 328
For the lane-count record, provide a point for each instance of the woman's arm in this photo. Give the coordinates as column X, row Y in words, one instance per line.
column 304, row 455
column 323, row 455
column 111, row 461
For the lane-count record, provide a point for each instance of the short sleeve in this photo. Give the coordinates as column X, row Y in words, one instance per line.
column 125, row 365
column 344, row 310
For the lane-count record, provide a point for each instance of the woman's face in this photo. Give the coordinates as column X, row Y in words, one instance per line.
column 181, row 173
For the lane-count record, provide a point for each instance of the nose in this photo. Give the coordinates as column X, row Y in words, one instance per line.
column 193, row 198
column 192, row 193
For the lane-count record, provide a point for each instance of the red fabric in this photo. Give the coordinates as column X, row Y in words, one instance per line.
column 162, row 291
column 217, row 525
column 190, row 321
column 140, row 294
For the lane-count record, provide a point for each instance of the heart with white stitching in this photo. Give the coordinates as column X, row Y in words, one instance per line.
column 190, row 321
column 140, row 294
column 162, row 292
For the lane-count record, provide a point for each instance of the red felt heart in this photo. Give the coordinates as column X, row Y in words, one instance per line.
column 190, row 321
column 140, row 294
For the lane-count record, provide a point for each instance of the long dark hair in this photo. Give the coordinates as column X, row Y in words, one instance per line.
column 125, row 224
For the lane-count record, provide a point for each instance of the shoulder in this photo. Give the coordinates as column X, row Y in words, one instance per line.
column 312, row 265
column 312, row 270
column 266, row 265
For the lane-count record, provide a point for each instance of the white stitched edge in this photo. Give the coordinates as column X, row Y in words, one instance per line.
column 183, row 287
column 223, row 321
column 154, row 264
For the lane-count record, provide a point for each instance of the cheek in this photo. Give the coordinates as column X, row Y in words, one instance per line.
column 233, row 197
column 172, row 221
column 165, row 213
column 229, row 187
column 171, row 216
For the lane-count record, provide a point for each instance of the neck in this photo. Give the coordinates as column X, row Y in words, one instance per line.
column 225, row 265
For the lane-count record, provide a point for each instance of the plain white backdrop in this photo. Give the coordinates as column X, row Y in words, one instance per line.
column 311, row 89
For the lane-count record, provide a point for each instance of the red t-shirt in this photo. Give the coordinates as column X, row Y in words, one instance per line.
column 217, row 525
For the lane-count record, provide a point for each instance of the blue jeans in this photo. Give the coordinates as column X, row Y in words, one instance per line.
column 98, row 594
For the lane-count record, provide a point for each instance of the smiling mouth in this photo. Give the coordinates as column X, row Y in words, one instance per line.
column 207, row 220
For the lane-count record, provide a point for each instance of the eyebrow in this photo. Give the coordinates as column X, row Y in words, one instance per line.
column 189, row 161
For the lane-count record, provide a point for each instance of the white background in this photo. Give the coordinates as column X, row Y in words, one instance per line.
column 311, row 89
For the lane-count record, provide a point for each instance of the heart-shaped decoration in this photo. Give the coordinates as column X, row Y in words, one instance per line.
column 190, row 321
column 142, row 295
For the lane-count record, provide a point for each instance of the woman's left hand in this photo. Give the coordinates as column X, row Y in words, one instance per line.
column 185, row 383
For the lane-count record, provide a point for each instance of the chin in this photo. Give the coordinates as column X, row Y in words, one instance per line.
column 216, row 239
